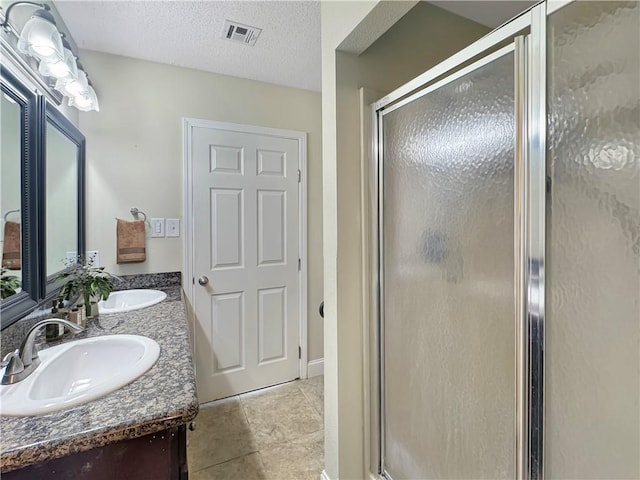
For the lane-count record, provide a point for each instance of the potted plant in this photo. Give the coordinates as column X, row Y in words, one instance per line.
column 86, row 280
column 9, row 284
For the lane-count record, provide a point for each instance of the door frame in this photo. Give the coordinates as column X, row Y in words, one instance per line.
column 188, row 281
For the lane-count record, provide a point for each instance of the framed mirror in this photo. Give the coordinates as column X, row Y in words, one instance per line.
column 42, row 168
column 18, row 200
column 64, row 163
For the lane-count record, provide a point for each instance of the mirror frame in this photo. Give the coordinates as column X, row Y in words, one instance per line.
column 26, row 300
column 36, row 113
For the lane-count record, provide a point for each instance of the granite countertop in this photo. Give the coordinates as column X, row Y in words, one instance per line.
column 162, row 398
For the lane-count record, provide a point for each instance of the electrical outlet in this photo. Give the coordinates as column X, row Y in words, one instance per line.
column 93, row 258
column 157, row 227
column 173, row 227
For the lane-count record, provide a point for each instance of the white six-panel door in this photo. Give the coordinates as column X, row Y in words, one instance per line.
column 245, row 260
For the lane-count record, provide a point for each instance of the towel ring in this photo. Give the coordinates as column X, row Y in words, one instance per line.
column 134, row 211
column 10, row 212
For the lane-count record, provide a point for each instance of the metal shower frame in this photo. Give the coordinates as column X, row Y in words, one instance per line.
column 526, row 36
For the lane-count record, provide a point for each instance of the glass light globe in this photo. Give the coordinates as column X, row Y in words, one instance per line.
column 85, row 101
column 40, row 37
column 57, row 68
column 70, row 86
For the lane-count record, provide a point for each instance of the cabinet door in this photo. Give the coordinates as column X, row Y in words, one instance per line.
column 158, row 456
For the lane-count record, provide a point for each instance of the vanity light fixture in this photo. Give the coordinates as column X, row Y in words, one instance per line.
column 40, row 37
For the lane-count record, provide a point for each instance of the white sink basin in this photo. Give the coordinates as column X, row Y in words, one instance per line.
column 127, row 300
column 77, row 372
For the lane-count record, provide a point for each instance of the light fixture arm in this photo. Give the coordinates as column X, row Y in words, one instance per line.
column 5, row 24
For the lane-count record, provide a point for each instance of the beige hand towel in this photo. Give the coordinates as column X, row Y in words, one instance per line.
column 11, row 247
column 131, row 241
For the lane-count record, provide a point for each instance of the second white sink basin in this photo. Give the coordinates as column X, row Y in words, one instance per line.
column 127, row 300
column 77, row 372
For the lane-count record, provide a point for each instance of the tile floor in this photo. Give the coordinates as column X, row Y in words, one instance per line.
column 271, row 434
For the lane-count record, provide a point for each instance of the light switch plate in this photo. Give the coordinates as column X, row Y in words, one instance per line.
column 157, row 227
column 173, row 227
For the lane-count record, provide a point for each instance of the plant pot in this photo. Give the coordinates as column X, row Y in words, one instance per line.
column 92, row 311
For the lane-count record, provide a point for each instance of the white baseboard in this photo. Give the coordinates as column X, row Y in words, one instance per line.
column 315, row 368
column 324, row 476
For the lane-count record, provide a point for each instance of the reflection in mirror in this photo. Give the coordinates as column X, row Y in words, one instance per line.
column 61, row 189
column 10, row 196
column 42, row 158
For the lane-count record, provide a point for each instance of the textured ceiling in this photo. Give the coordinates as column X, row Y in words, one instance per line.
column 188, row 34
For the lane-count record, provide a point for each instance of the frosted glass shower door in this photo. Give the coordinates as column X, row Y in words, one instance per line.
column 592, row 379
column 448, row 330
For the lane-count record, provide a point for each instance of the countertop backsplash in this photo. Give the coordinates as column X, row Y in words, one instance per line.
column 158, row 281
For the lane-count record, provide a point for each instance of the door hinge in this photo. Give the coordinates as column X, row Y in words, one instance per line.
column 299, row 351
column 299, row 176
column 299, row 264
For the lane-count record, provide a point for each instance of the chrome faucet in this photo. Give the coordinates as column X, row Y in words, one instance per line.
column 23, row 362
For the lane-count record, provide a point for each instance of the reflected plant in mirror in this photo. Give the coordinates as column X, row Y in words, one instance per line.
column 9, row 284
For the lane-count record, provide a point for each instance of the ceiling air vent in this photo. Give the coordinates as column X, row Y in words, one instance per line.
column 240, row 33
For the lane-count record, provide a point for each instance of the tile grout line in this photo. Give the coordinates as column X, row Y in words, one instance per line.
column 321, row 413
column 218, row 403
column 255, row 442
column 310, row 402
column 227, row 461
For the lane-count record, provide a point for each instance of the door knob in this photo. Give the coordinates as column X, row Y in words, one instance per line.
column 203, row 280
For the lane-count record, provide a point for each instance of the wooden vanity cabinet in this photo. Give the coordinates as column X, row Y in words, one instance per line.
column 158, row 456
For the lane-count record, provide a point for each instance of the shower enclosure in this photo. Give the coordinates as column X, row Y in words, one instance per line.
column 508, row 255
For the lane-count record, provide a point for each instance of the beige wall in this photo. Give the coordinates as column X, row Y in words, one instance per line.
column 337, row 21
column 398, row 56
column 134, row 153
column 422, row 38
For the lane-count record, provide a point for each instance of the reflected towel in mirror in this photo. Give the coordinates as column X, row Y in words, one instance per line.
column 130, row 241
column 11, row 248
